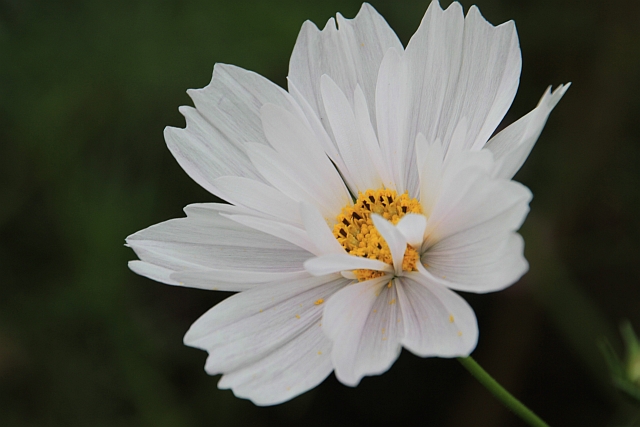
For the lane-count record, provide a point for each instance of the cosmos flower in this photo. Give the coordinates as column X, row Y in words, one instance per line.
column 358, row 201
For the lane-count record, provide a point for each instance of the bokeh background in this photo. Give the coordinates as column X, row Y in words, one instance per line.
column 86, row 88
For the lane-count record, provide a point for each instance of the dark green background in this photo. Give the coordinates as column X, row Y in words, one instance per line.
column 86, row 88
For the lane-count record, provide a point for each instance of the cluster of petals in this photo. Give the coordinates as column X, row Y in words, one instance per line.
column 361, row 112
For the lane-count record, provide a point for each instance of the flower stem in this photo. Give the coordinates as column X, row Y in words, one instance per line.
column 501, row 393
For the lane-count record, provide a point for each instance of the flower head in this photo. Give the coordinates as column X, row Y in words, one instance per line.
column 359, row 200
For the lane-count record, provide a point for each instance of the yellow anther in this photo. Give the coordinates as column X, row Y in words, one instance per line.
column 318, row 302
column 358, row 236
column 451, row 319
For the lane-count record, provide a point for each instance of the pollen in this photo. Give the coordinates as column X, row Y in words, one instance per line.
column 318, row 302
column 358, row 236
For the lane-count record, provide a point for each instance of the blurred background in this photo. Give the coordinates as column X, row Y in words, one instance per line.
column 86, row 88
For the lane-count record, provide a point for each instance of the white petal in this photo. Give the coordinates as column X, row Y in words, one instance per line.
column 264, row 307
column 455, row 68
column 458, row 143
column 153, row 272
column 437, row 322
column 352, row 149
column 231, row 280
column 488, row 80
column 347, row 274
column 429, row 160
column 433, row 58
column 389, row 101
column 318, row 230
column 212, row 213
column 460, row 68
column 369, row 139
column 207, row 241
column 232, row 102
column 367, row 38
column 295, row 368
column 290, row 233
column 266, row 340
column 364, row 322
column 431, row 65
column 334, row 263
column 205, row 153
column 293, row 180
column 180, row 257
column 350, row 56
column 512, row 145
column 290, row 136
column 499, row 218
column 205, row 211
column 473, row 198
column 395, row 240
column 412, row 227
column 320, row 132
column 227, row 116
column 467, row 161
column 442, row 177
column 260, row 197
column 486, row 265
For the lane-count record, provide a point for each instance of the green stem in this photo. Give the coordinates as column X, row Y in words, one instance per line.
column 501, row 393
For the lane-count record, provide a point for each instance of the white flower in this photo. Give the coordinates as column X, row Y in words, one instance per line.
column 359, row 200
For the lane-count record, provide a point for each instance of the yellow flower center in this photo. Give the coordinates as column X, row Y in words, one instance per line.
column 358, row 236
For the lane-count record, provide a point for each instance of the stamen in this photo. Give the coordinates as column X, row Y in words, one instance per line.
column 358, row 236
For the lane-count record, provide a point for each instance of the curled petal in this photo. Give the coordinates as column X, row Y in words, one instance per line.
column 334, row 263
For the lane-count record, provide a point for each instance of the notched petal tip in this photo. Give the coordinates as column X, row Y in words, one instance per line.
column 561, row 90
column 365, row 10
column 452, row 8
column 475, row 13
column 309, row 25
column 330, row 25
column 551, row 96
